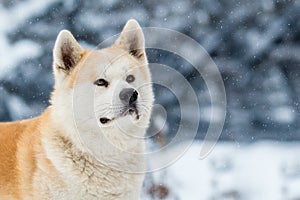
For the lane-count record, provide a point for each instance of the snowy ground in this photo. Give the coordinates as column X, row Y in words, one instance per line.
column 264, row 170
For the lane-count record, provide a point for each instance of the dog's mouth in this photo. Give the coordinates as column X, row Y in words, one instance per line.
column 130, row 110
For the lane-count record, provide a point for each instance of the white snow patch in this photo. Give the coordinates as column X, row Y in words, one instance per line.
column 263, row 170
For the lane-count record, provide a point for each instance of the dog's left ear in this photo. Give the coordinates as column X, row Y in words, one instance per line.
column 132, row 40
column 67, row 52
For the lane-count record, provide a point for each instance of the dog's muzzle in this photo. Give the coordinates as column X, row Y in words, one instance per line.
column 128, row 97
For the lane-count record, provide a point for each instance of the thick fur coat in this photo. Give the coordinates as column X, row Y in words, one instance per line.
column 88, row 143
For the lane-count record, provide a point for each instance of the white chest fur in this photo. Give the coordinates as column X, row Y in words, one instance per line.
column 84, row 177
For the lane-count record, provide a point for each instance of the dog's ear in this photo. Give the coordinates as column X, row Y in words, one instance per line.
column 67, row 52
column 132, row 40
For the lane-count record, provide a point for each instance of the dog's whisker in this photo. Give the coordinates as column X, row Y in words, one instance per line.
column 146, row 100
column 144, row 106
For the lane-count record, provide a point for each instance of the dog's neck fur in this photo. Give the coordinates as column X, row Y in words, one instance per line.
column 77, row 165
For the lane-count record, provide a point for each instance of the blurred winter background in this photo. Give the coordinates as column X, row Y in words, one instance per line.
column 255, row 45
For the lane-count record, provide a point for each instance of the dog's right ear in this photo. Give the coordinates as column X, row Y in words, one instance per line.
column 67, row 52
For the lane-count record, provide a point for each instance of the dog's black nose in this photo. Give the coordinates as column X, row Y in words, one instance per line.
column 128, row 96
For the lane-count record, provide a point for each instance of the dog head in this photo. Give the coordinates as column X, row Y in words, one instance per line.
column 111, row 86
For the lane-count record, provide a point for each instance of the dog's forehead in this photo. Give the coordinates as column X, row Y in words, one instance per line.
column 111, row 61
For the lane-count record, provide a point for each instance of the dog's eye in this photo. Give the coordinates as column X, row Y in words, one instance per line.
column 130, row 78
column 101, row 82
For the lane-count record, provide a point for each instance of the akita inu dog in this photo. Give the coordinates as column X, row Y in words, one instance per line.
column 84, row 146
